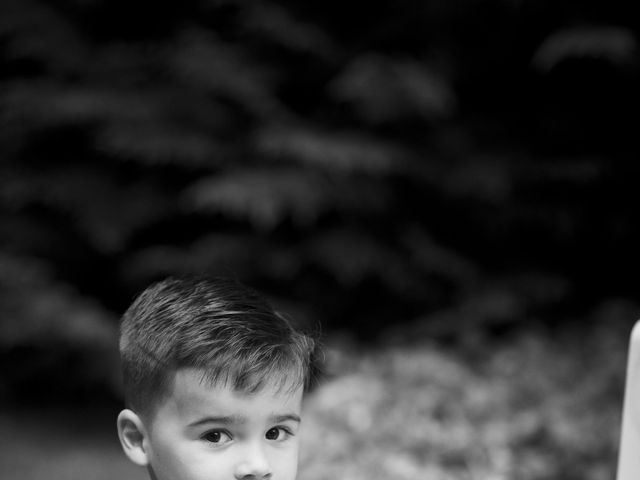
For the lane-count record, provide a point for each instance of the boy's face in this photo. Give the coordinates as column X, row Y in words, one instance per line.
column 203, row 432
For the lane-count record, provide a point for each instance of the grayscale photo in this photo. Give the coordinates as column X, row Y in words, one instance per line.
column 268, row 239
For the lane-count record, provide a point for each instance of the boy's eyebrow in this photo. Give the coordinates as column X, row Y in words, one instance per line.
column 239, row 420
column 287, row 417
column 223, row 420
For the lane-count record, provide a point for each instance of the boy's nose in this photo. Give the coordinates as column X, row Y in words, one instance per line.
column 254, row 465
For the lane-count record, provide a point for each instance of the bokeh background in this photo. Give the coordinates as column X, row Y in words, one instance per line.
column 446, row 188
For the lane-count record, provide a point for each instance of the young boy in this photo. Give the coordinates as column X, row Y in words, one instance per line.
column 213, row 380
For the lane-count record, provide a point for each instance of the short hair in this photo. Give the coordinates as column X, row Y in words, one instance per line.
column 217, row 325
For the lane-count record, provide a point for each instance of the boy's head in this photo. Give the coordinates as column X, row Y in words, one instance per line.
column 213, row 380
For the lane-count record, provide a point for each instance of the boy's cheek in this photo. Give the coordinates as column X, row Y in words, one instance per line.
column 285, row 464
column 184, row 465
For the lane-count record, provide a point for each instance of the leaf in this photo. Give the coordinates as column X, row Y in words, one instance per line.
column 340, row 152
column 615, row 44
column 495, row 177
column 106, row 212
column 36, row 308
column 224, row 254
column 204, row 62
column 433, row 258
column 351, row 257
column 46, row 103
column 161, row 143
column 384, row 89
column 164, row 125
column 34, row 31
column 44, row 324
column 484, row 303
column 124, row 64
column 490, row 178
column 264, row 197
column 276, row 24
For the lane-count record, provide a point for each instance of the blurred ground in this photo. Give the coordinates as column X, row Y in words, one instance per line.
column 539, row 405
column 61, row 444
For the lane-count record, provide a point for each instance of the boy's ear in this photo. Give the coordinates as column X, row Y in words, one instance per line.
column 133, row 437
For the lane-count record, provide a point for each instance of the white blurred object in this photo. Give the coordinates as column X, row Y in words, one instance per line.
column 629, row 453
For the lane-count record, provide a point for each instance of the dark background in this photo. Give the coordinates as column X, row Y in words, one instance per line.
column 398, row 171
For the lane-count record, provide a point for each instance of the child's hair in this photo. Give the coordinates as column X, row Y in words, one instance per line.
column 216, row 325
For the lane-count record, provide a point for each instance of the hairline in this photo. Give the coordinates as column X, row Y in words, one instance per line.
column 168, row 387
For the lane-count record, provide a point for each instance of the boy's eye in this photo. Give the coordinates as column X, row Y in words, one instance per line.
column 217, row 437
column 277, row 433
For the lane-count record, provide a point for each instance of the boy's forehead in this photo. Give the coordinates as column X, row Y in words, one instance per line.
column 192, row 393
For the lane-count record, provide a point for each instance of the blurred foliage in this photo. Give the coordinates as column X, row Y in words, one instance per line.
column 535, row 405
column 455, row 169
